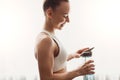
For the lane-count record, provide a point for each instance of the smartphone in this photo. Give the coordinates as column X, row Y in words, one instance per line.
column 87, row 53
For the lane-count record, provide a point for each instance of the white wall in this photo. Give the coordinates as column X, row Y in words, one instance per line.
column 92, row 23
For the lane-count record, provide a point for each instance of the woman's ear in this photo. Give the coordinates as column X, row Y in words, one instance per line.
column 49, row 13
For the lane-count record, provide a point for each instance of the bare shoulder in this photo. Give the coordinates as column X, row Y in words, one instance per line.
column 44, row 44
column 44, row 40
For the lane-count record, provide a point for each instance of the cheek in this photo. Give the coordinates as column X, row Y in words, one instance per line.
column 61, row 20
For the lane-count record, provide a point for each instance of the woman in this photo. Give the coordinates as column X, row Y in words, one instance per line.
column 50, row 53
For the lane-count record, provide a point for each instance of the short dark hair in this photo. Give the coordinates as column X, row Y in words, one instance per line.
column 52, row 3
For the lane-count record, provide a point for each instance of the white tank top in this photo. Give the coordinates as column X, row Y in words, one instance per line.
column 60, row 60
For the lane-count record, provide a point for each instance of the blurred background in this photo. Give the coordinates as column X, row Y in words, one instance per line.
column 93, row 23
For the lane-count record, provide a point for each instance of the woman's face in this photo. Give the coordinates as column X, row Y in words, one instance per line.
column 60, row 15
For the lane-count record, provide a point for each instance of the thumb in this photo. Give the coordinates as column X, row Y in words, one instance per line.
column 77, row 55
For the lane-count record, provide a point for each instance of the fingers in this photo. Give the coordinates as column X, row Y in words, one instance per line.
column 81, row 50
column 85, row 49
column 90, row 72
column 88, row 62
column 77, row 55
column 87, row 68
column 89, row 65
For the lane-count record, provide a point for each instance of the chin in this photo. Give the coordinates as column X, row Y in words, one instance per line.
column 60, row 27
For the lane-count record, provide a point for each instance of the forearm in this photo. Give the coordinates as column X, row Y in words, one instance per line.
column 60, row 76
column 65, row 76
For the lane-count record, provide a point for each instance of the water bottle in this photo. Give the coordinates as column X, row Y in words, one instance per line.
column 87, row 55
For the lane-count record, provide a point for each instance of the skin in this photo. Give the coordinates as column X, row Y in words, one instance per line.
column 47, row 49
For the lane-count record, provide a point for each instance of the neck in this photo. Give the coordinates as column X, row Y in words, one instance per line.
column 48, row 27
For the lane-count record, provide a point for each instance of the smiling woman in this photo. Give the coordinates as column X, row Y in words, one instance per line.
column 51, row 55
column 92, row 23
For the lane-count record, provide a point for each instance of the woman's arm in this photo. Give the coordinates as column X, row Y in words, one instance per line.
column 45, row 51
column 87, row 68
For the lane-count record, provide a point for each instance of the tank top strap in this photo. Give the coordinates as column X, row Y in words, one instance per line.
column 48, row 33
column 51, row 35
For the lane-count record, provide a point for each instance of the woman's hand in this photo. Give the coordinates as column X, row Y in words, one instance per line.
column 87, row 68
column 76, row 54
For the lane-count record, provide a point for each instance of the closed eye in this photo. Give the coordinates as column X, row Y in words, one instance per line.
column 65, row 16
